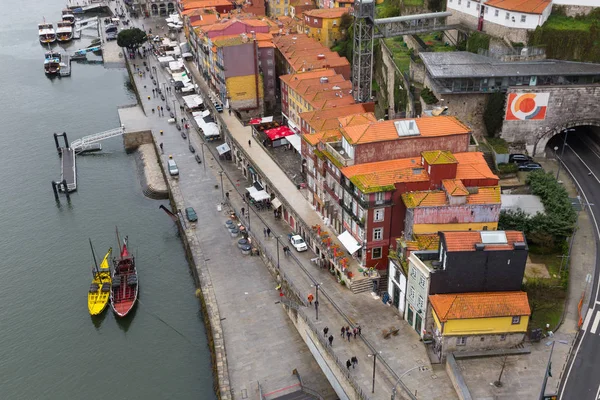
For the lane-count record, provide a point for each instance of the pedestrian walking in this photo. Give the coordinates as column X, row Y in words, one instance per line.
column 343, row 331
column 161, row 147
column 330, row 340
column 354, row 361
column 359, row 330
column 355, row 331
column 181, row 121
column 310, row 298
column 243, row 209
column 265, row 232
column 348, row 364
column 230, row 111
column 325, row 330
column 249, row 141
column 158, row 109
column 153, row 110
column 269, row 233
column 349, row 334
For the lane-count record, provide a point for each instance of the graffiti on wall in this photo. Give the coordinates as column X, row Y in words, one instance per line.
column 526, row 106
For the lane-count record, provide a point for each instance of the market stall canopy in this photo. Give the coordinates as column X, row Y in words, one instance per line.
column 260, row 195
column 210, row 129
column 189, row 88
column 257, row 121
column 192, row 101
column 349, row 242
column 181, row 77
column 175, row 65
column 222, row 149
column 165, row 60
column 276, row 203
column 278, row 133
column 251, row 190
column 295, row 142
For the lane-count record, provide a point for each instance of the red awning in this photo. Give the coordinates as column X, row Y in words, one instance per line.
column 279, row 132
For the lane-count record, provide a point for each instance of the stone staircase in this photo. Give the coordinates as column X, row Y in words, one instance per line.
column 362, row 284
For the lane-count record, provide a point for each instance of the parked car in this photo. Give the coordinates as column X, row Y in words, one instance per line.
column 531, row 166
column 111, row 36
column 191, row 215
column 519, row 158
column 173, row 170
column 298, row 243
column 198, row 158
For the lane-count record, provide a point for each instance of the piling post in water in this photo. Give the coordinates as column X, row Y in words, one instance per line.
column 56, row 142
column 55, row 190
column 66, row 189
column 66, row 140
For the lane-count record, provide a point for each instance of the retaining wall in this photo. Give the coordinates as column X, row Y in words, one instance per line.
column 453, row 371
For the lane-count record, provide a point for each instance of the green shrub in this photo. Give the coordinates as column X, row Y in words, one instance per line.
column 510, row 168
column 476, row 41
column 493, row 115
column 499, row 145
column 428, row 96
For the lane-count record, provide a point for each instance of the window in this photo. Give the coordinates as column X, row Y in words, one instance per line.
column 486, row 9
column 523, row 18
column 459, row 1
column 422, row 281
column 412, row 292
column 397, row 274
column 377, row 233
column 461, row 341
column 507, row 16
column 496, row 13
column 378, row 214
column 420, row 303
column 376, row 253
column 468, row 4
column 516, row 320
column 413, row 272
column 379, row 197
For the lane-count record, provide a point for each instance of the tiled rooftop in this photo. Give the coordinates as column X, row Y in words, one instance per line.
column 330, row 135
column 382, row 175
column 434, row 157
column 479, row 305
column 438, row 198
column 466, row 240
column 472, row 165
column 326, row 12
column 524, row 6
column 455, row 187
column 328, row 118
column 386, row 130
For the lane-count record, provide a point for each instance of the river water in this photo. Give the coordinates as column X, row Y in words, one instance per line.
column 50, row 348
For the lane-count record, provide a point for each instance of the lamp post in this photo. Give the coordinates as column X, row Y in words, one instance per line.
column 174, row 111
column 420, row 367
column 317, row 286
column 222, row 190
column 562, row 151
column 277, row 237
column 374, row 355
column 557, row 160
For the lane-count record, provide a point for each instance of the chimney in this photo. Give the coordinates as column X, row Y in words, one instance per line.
column 320, row 56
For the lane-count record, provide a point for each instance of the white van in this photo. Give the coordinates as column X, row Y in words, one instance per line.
column 173, row 170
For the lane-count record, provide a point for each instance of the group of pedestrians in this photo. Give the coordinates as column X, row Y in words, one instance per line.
column 353, row 361
column 267, row 232
column 161, row 111
column 349, row 332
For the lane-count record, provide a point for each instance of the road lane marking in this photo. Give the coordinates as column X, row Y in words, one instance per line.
column 598, row 393
column 584, row 163
column 596, row 322
column 566, row 379
column 588, row 316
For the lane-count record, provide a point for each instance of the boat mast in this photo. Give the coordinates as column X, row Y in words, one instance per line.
column 118, row 241
column 95, row 262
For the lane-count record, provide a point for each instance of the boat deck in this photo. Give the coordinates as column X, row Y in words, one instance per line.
column 65, row 70
column 68, row 169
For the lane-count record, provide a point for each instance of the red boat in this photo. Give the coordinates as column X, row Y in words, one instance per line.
column 124, row 282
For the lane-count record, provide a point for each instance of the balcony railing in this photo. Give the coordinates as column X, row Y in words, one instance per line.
column 364, row 203
column 348, row 209
column 337, row 152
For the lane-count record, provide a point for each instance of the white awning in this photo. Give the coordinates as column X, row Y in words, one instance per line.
column 222, row 149
column 276, row 203
column 193, row 100
column 293, row 126
column 349, row 242
column 260, row 195
column 251, row 190
column 210, row 129
column 295, row 142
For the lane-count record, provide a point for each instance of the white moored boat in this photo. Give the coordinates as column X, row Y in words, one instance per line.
column 64, row 31
column 46, row 33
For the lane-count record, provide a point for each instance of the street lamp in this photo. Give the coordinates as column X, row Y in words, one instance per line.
column 557, row 160
column 174, row 111
column 420, row 367
column 277, row 237
column 222, row 190
column 317, row 286
column 374, row 355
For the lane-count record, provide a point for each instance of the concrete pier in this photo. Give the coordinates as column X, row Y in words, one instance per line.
column 68, row 168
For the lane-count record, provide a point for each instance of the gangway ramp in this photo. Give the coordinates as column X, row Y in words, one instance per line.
column 68, row 169
column 90, row 142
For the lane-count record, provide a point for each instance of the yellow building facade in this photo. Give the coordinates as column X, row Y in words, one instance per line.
column 478, row 321
column 324, row 24
column 279, row 8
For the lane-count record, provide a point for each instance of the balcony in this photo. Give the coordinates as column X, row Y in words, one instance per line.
column 339, row 154
column 219, row 65
column 331, row 192
column 351, row 214
column 364, row 203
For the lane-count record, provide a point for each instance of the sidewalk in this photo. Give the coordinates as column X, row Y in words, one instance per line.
column 400, row 352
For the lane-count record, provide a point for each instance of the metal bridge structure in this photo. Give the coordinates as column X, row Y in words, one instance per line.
column 83, row 24
column 367, row 29
column 92, row 142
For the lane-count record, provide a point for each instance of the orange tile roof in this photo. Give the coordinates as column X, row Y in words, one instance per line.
column 190, row 5
column 438, row 157
column 200, row 11
column 328, row 119
column 207, row 19
column 326, row 13
column 330, row 135
column 300, row 51
column 438, row 198
column 424, row 242
column 323, row 104
column 454, row 187
column 292, row 79
column 382, row 175
column 524, row 6
column 357, row 119
column 472, row 165
column 485, row 195
column 479, row 305
column 385, row 130
column 466, row 240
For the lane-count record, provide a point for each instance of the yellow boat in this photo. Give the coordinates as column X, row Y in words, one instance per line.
column 99, row 292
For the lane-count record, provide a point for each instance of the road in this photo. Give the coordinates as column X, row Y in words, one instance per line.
column 582, row 380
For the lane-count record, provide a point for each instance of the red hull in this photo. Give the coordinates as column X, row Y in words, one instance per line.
column 124, row 291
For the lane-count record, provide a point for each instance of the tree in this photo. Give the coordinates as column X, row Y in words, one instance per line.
column 131, row 38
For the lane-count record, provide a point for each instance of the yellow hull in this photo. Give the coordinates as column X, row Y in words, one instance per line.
column 99, row 293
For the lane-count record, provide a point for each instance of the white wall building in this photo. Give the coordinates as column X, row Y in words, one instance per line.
column 501, row 18
column 397, row 285
column 417, row 289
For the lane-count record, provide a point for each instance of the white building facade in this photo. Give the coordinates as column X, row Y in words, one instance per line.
column 417, row 291
column 397, row 285
column 501, row 18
